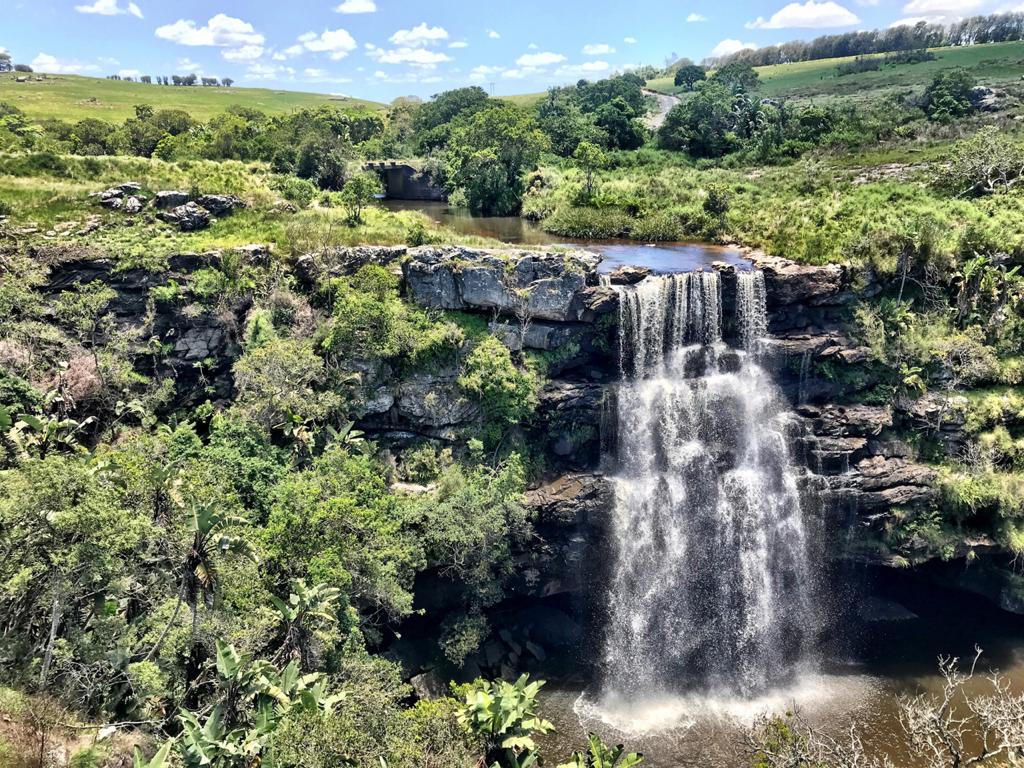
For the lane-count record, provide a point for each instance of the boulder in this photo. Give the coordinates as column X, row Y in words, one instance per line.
column 170, row 198
column 133, row 205
column 221, row 205
column 188, row 217
column 628, row 275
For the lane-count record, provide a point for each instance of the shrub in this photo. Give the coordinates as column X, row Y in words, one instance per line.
column 948, row 96
column 507, row 395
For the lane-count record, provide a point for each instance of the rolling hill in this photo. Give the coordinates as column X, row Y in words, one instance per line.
column 72, row 97
column 992, row 64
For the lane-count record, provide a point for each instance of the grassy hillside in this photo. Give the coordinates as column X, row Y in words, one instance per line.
column 71, row 97
column 990, row 64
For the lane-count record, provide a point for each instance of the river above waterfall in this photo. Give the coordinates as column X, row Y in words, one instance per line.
column 661, row 258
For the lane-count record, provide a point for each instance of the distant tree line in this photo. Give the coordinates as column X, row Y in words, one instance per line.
column 192, row 79
column 7, row 65
column 994, row 28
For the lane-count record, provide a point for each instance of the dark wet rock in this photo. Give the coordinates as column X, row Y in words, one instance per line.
column 429, row 685
column 170, row 198
column 188, row 217
column 221, row 205
column 628, row 275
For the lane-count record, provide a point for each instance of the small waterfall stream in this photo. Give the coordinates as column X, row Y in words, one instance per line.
column 712, row 580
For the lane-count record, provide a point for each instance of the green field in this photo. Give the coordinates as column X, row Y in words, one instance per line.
column 990, row 64
column 70, row 97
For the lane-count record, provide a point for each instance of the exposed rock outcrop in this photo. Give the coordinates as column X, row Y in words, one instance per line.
column 540, row 285
column 188, row 217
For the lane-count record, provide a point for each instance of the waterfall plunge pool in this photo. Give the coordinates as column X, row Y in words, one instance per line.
column 863, row 667
column 661, row 258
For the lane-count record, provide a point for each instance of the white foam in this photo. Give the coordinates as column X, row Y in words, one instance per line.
column 664, row 712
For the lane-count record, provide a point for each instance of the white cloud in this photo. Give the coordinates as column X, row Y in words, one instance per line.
column 419, row 35
column 695, row 17
column 187, row 66
column 313, row 72
column 356, row 6
column 291, row 50
column 809, row 15
column 260, row 71
column 629, row 40
column 44, row 62
column 245, row 53
column 482, row 72
column 597, row 49
column 493, row 34
column 532, row 47
column 129, row 73
column 729, row 46
column 417, row 57
column 520, row 73
column 336, row 42
column 940, row 7
column 221, row 30
column 110, row 8
column 459, row 44
column 583, row 70
column 539, row 59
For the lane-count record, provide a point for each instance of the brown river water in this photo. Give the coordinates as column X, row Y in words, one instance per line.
column 660, row 257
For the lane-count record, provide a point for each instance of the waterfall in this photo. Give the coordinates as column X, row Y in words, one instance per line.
column 711, row 579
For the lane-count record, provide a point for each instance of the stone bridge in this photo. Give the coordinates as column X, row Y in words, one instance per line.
column 403, row 181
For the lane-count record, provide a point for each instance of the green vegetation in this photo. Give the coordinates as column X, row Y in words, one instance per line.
column 73, row 97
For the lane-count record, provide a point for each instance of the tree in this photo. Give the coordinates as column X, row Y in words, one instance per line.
column 689, row 75
column 5, row 62
column 703, row 125
column 737, row 75
column 618, row 119
column 489, row 153
column 227, row 82
column 207, row 526
column 360, row 191
column 22, row 68
column 948, row 96
column 590, row 157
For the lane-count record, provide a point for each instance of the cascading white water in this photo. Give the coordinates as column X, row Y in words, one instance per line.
column 711, row 584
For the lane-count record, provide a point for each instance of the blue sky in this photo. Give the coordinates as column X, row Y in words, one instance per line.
column 379, row 49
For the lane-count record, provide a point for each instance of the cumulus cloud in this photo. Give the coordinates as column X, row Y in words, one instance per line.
column 586, row 69
column 44, row 62
column 313, row 72
column 809, row 15
column 629, row 40
column 129, row 73
column 419, row 35
column 221, row 30
column 695, row 17
column 245, row 53
column 459, row 44
column 417, row 57
column 597, row 49
column 110, row 8
column 356, row 6
column 482, row 72
column 336, row 42
column 730, row 46
column 539, row 59
column 493, row 34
